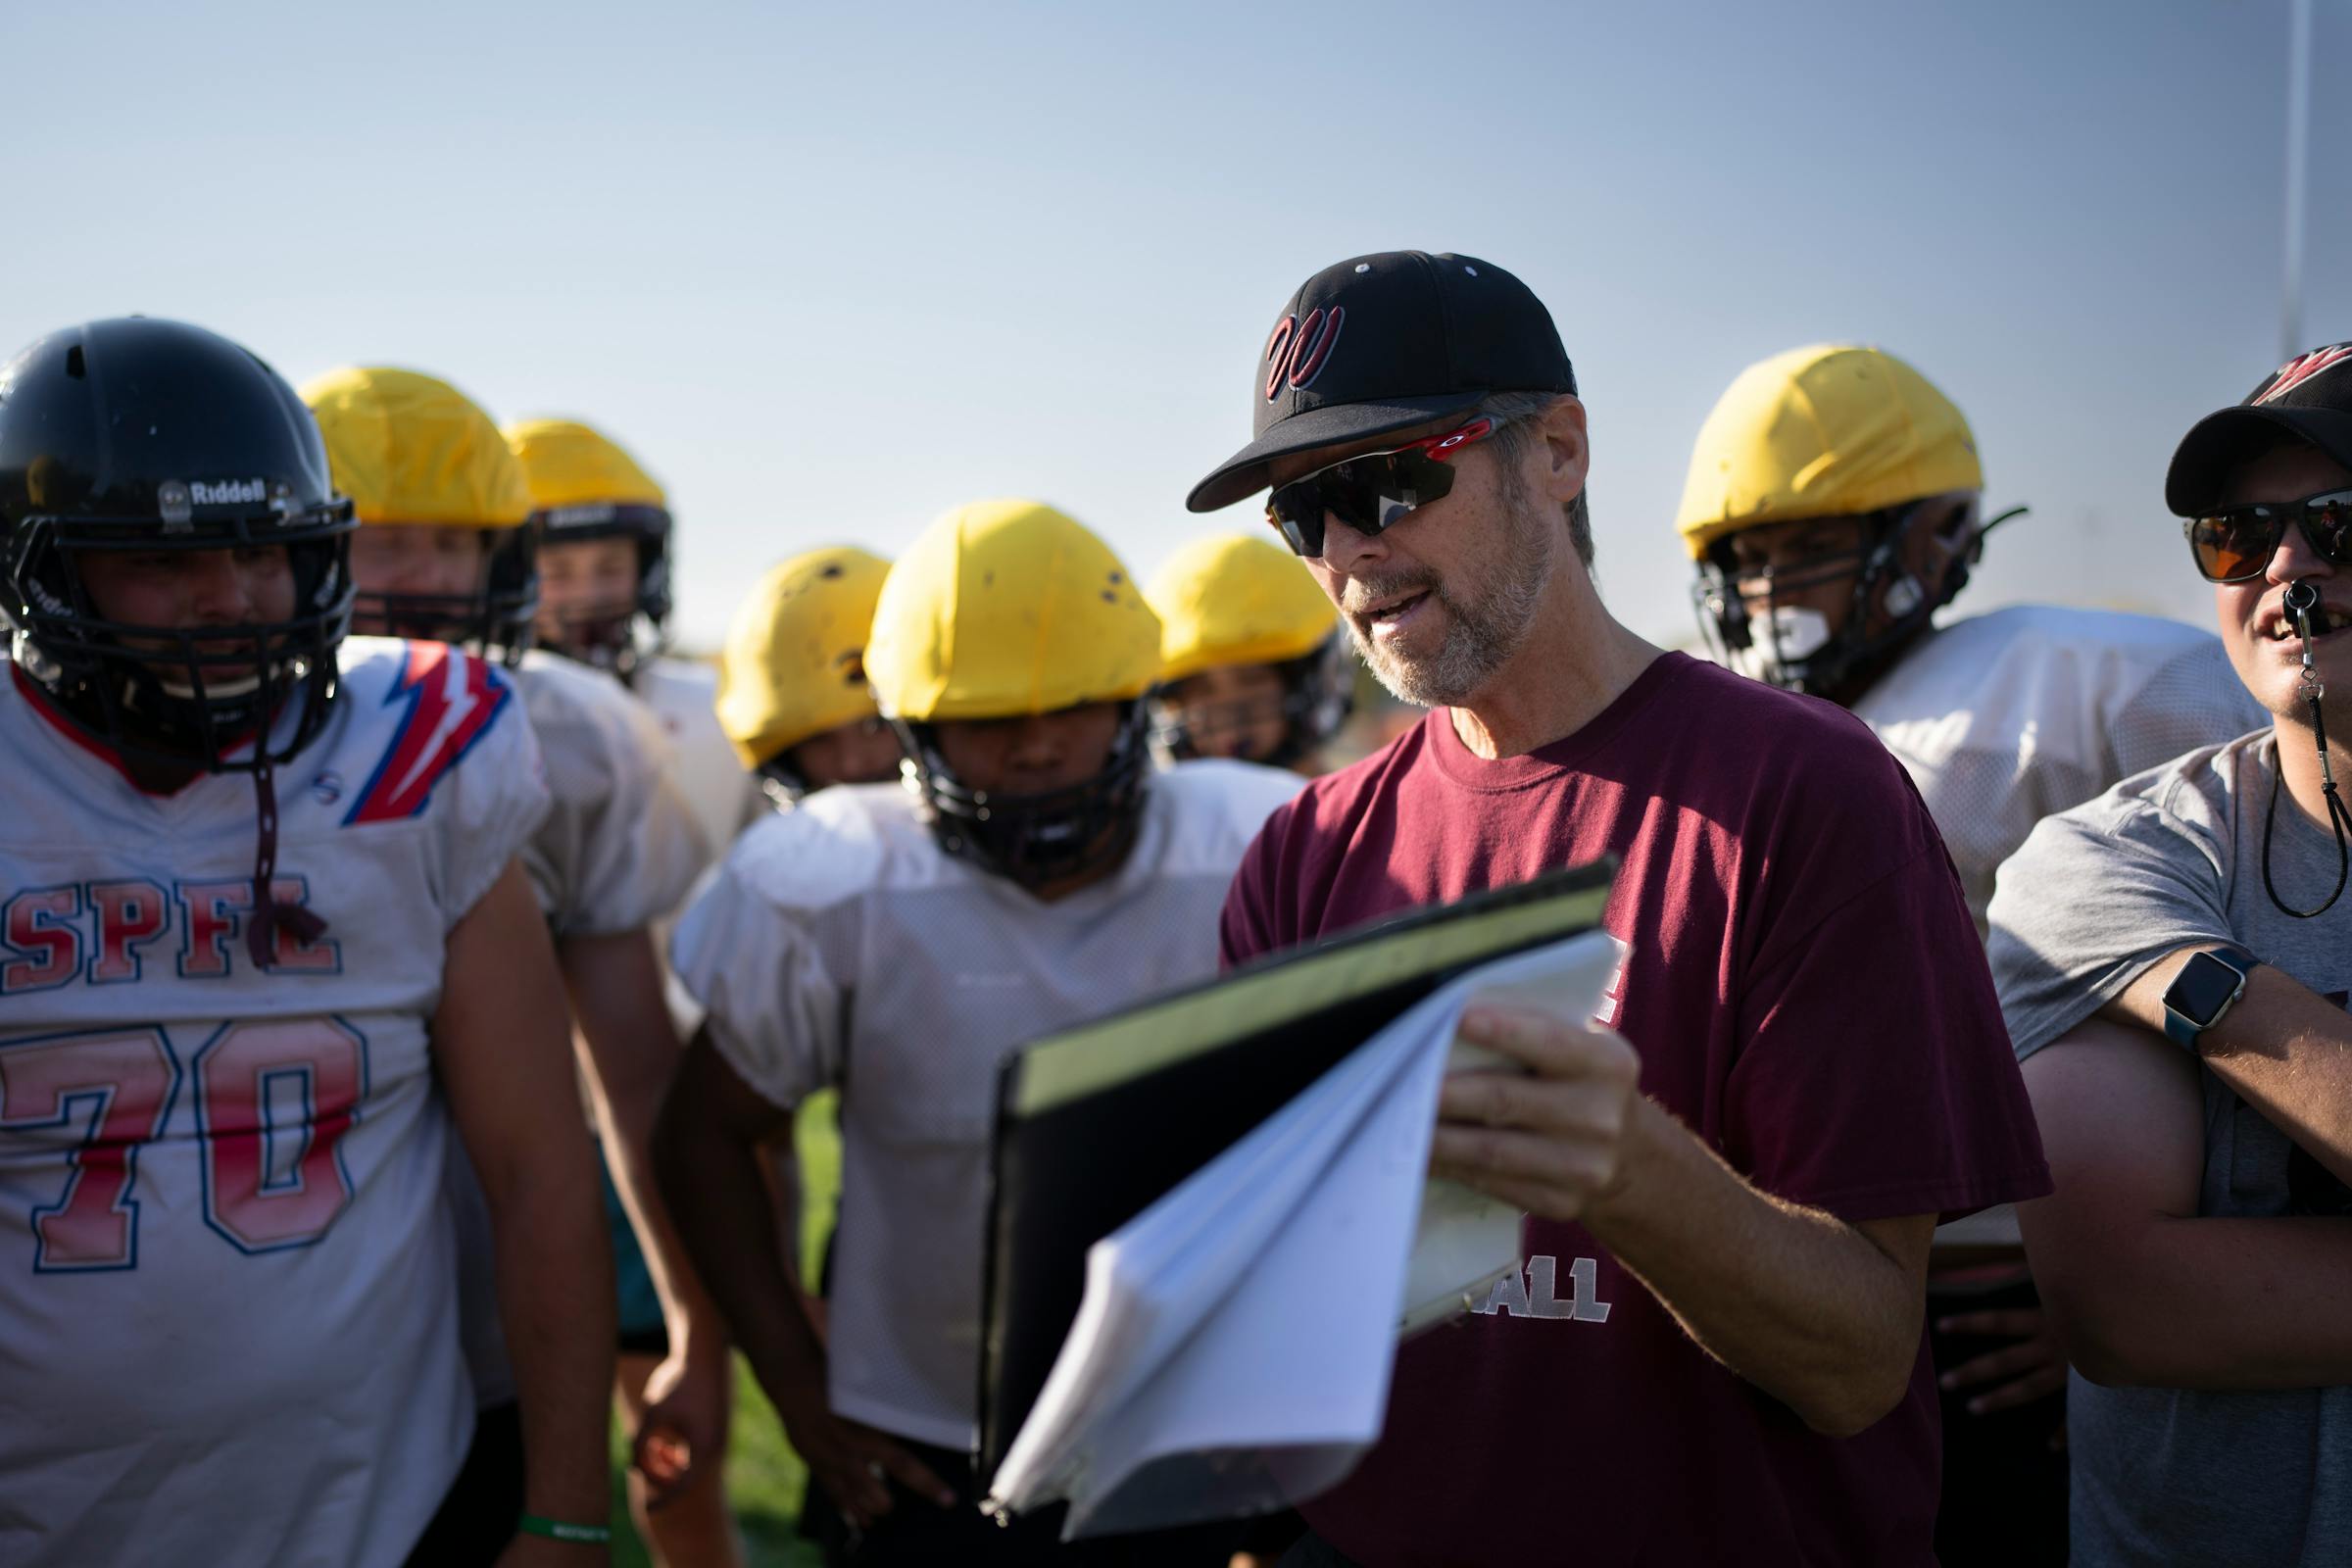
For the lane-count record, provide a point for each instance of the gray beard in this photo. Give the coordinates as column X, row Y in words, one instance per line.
column 1486, row 628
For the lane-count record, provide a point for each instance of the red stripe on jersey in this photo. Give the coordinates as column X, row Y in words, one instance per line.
column 66, row 726
column 453, row 700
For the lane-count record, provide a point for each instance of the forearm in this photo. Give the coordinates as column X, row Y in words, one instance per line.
column 2201, row 1303
column 554, row 1295
column 2282, row 1048
column 696, row 1326
column 719, row 1197
column 630, row 1050
column 787, row 1196
column 1793, row 1298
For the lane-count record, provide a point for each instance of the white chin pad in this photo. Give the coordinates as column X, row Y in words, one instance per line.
column 1790, row 634
column 213, row 691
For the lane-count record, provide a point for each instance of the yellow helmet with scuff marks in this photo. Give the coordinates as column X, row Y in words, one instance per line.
column 794, row 663
column 1006, row 607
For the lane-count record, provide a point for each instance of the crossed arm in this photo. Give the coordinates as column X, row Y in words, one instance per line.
column 2125, row 1261
column 2122, row 1123
column 2284, row 1049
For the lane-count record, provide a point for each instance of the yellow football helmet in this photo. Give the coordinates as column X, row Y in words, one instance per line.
column 585, row 486
column 794, row 663
column 1823, row 434
column 999, row 610
column 1234, row 600
column 408, row 448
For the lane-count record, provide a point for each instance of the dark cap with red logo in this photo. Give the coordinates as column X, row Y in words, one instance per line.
column 1377, row 344
column 2309, row 397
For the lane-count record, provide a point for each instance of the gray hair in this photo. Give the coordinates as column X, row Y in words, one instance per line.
column 1520, row 410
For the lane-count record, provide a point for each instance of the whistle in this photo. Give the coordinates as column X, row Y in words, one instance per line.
column 2301, row 598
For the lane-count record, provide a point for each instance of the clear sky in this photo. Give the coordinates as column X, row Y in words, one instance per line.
column 831, row 270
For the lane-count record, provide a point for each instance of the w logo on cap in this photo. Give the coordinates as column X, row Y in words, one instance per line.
column 2295, row 372
column 1299, row 349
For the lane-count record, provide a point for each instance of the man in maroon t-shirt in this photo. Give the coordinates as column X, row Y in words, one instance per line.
column 1715, row 1353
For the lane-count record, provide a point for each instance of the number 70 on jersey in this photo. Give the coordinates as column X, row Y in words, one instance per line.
column 272, row 1099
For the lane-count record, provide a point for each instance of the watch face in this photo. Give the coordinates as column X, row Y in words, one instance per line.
column 2204, row 989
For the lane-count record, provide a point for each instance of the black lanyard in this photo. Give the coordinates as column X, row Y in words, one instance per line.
column 2301, row 599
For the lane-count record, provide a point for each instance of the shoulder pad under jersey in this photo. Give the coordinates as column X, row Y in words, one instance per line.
column 840, row 843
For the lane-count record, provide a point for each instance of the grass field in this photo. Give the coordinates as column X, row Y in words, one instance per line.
column 764, row 1477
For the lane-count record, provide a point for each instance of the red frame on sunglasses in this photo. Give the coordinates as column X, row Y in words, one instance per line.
column 1372, row 491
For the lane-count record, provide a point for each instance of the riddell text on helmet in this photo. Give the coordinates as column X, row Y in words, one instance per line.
column 228, row 493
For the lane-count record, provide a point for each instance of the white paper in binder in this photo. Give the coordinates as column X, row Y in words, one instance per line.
column 1233, row 1350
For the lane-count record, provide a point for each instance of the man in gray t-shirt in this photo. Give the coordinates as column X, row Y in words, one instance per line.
column 2166, row 861
column 2195, row 1256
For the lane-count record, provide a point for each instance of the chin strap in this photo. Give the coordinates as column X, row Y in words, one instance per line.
column 269, row 916
column 2301, row 599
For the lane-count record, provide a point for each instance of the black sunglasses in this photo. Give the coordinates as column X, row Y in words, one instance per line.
column 2234, row 544
column 1372, row 490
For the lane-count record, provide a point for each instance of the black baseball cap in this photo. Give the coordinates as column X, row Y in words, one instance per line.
column 2310, row 396
column 1376, row 344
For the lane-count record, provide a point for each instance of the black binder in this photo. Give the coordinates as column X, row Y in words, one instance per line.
column 1096, row 1123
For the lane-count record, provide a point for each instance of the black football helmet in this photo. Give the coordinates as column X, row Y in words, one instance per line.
column 153, row 436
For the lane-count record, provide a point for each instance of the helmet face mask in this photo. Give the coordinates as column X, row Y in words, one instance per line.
column 1231, row 602
column 1764, row 621
column 783, row 784
column 495, row 621
column 617, row 635
column 862, row 750
column 178, row 694
column 1317, row 695
column 1039, row 838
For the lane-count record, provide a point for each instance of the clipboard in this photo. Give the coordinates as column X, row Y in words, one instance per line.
column 1095, row 1123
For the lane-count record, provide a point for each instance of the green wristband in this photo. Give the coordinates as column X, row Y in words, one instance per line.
column 530, row 1524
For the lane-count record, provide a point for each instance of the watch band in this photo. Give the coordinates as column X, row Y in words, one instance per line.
column 2182, row 1029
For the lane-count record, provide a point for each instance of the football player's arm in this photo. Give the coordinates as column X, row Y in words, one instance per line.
column 501, row 1050
column 708, row 1148
column 2285, row 1049
column 1822, row 1313
column 2141, row 1288
column 614, row 982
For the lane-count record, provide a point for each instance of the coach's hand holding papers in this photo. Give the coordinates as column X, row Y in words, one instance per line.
column 1548, row 1137
column 1191, row 1385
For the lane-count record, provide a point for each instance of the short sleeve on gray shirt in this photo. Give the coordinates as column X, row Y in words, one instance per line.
column 2168, row 859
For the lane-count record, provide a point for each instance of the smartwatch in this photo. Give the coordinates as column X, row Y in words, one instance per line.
column 2204, row 990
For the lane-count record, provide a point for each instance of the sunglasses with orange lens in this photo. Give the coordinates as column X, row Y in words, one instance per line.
column 2234, row 544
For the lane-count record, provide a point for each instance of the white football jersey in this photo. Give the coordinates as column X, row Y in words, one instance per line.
column 621, row 845
column 725, row 796
column 225, row 1269
column 2005, row 718
column 840, row 946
